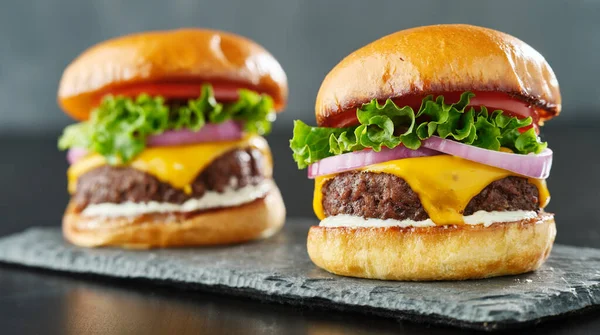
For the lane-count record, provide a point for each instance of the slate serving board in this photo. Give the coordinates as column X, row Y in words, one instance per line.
column 279, row 269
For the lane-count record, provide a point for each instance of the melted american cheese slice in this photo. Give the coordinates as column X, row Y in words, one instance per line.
column 177, row 165
column 445, row 184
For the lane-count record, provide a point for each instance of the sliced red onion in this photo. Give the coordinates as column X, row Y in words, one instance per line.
column 358, row 159
column 226, row 131
column 534, row 166
column 75, row 154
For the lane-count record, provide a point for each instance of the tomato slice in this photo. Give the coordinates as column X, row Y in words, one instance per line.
column 492, row 100
column 510, row 105
column 224, row 92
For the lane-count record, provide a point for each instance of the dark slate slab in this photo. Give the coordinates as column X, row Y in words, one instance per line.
column 279, row 269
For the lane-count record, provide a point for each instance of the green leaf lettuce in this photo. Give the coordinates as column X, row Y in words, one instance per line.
column 389, row 125
column 118, row 128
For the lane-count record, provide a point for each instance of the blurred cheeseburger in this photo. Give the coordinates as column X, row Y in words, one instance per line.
column 169, row 149
column 426, row 159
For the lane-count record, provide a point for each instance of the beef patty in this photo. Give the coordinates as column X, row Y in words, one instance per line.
column 121, row 184
column 385, row 196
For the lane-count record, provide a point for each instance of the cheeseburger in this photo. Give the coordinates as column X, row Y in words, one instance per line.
column 168, row 150
column 427, row 160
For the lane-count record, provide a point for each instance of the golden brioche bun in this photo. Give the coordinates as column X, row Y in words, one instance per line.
column 437, row 59
column 189, row 55
column 433, row 253
column 258, row 219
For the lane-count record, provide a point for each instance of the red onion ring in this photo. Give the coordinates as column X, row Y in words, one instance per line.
column 226, row 131
column 534, row 166
column 358, row 159
column 75, row 154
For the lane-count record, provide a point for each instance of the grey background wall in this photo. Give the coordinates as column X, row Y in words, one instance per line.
column 40, row 37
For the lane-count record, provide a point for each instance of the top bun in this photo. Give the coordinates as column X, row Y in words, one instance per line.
column 438, row 59
column 195, row 55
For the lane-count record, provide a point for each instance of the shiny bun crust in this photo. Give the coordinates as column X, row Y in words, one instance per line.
column 437, row 59
column 259, row 219
column 196, row 55
column 433, row 253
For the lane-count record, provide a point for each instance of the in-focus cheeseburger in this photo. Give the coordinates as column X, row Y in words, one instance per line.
column 426, row 159
column 169, row 149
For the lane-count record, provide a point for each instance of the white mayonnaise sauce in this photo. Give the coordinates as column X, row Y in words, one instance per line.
column 210, row 199
column 480, row 217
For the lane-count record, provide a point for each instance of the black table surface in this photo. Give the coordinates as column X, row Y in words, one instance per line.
column 32, row 175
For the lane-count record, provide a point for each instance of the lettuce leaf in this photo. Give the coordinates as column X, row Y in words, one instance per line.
column 389, row 125
column 118, row 128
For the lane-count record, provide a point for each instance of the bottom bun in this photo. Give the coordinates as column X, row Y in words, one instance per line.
column 258, row 219
column 433, row 253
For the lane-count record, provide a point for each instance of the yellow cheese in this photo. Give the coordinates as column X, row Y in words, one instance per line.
column 177, row 165
column 445, row 184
